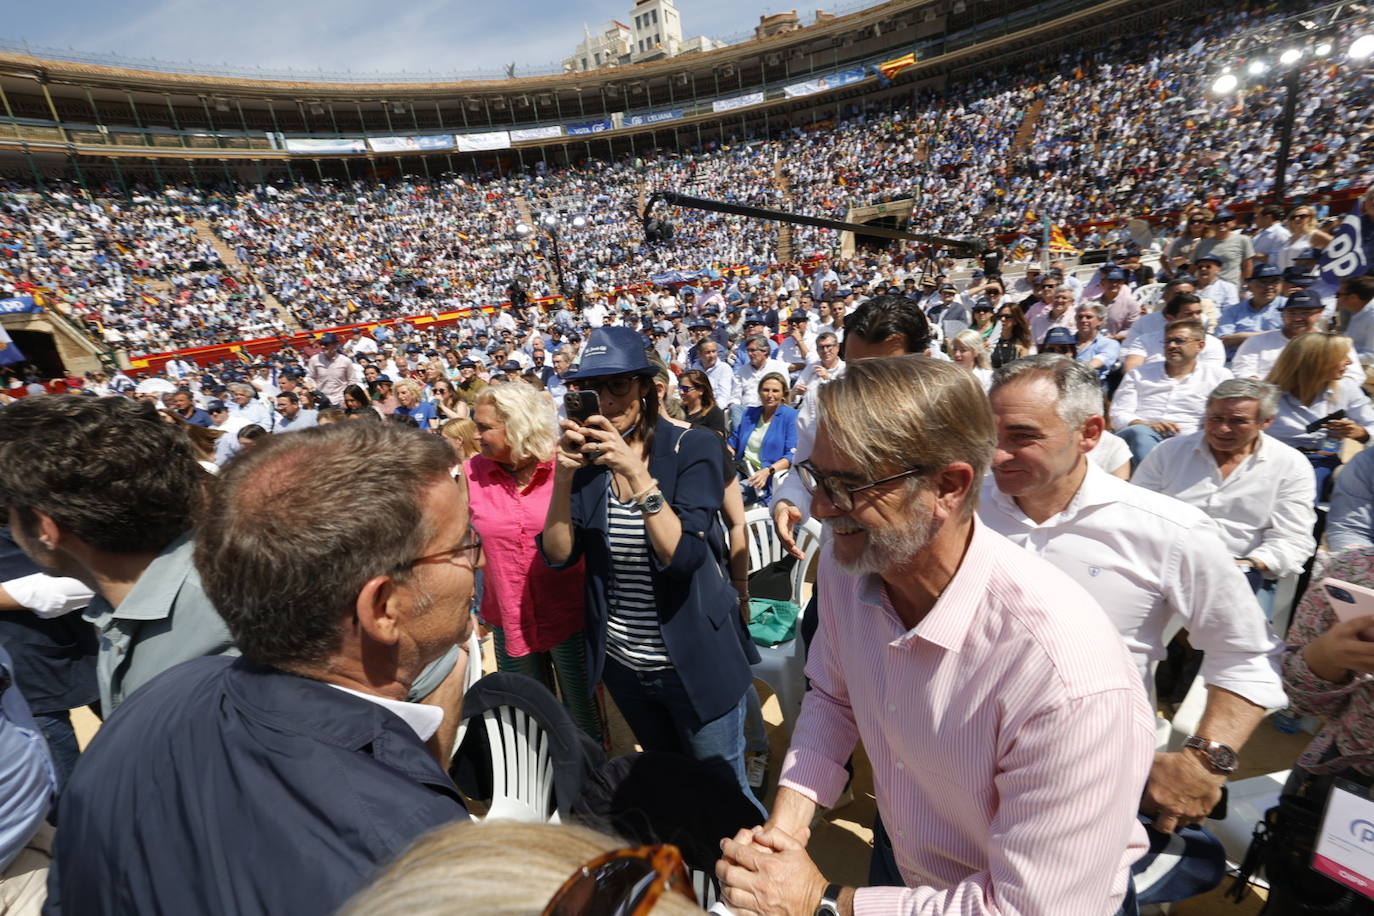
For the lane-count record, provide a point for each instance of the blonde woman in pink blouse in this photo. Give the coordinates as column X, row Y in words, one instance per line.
column 535, row 613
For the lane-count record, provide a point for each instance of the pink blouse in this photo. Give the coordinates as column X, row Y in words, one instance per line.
column 536, row 607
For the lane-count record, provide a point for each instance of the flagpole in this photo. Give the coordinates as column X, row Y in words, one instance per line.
column 1045, row 245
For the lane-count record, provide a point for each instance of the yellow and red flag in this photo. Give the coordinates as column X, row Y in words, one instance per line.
column 890, row 68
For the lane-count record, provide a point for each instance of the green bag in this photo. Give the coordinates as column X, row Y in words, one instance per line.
column 772, row 622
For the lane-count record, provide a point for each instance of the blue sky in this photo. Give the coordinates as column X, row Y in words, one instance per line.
column 448, row 36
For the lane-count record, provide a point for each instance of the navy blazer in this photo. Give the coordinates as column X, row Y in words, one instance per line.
column 698, row 608
column 223, row 787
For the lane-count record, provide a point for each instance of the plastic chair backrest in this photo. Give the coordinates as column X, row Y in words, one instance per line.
column 522, row 770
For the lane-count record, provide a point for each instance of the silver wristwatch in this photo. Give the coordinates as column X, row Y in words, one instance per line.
column 830, row 901
column 1221, row 757
column 651, row 503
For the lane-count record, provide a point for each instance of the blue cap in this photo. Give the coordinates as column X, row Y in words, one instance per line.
column 612, row 351
column 215, row 405
column 1209, row 256
column 1302, row 299
column 1222, row 216
column 1266, row 272
column 1307, row 254
column 330, row 338
column 510, row 365
column 1058, row 337
column 1296, row 276
column 1114, row 273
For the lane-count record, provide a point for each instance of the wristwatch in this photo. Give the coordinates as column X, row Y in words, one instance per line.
column 1220, row 756
column 651, row 503
column 830, row 901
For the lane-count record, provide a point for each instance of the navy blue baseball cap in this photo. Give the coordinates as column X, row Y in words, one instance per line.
column 1266, row 272
column 1302, row 299
column 612, row 351
column 1296, row 276
column 1209, row 256
column 1307, row 254
column 1114, row 273
column 1059, row 337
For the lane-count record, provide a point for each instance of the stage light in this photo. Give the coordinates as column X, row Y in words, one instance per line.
column 579, row 222
column 1257, row 68
column 1361, row 48
column 1323, row 49
column 1290, row 57
column 1225, row 84
column 523, row 230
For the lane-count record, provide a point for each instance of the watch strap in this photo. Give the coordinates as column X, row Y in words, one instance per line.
column 829, row 904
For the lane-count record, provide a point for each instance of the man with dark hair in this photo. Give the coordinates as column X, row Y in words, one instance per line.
column 290, row 415
column 185, row 407
column 277, row 782
column 1354, row 296
column 103, row 490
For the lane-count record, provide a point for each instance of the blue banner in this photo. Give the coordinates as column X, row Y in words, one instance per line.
column 18, row 306
column 591, row 127
column 9, row 353
column 653, row 117
column 1344, row 255
column 435, row 141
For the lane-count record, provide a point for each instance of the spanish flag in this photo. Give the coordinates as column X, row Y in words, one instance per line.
column 890, row 68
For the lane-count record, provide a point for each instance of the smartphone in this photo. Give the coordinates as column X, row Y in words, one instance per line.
column 1316, row 425
column 581, row 405
column 1348, row 600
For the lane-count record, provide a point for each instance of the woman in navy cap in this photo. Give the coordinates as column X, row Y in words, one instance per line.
column 638, row 498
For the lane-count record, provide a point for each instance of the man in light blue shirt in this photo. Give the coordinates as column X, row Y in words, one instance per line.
column 27, row 784
column 1354, row 296
column 1257, row 313
column 1351, row 520
column 291, row 416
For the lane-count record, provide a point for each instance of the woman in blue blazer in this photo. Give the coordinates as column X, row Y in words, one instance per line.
column 765, row 440
column 638, row 498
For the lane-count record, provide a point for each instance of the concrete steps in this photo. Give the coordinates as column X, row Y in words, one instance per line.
column 231, row 260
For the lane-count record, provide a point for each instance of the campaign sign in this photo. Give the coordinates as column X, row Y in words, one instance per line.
column 1345, row 842
column 1344, row 255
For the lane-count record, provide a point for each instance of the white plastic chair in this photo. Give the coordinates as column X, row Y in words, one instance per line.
column 471, row 676
column 521, row 768
column 783, row 667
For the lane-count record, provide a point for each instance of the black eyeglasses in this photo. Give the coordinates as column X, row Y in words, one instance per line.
column 842, row 494
column 1003, row 317
column 623, row 882
column 470, row 548
column 617, row 385
column 687, row 388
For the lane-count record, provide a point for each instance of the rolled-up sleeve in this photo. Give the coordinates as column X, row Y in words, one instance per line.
column 1203, row 585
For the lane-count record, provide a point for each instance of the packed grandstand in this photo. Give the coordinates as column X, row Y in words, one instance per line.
column 1099, row 135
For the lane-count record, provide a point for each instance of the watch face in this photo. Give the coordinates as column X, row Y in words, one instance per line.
column 1223, row 758
column 653, row 503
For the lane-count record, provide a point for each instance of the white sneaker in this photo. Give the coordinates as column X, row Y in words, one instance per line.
column 756, row 769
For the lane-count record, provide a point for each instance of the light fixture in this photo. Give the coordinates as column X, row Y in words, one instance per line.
column 549, row 220
column 523, row 230
column 1322, row 49
column 1225, row 84
column 579, row 222
column 1290, row 57
column 1361, row 48
column 1257, row 68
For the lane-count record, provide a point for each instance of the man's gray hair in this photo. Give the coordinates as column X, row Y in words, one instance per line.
column 1096, row 308
column 1248, row 389
column 1080, row 394
column 242, row 388
column 763, row 339
column 826, row 335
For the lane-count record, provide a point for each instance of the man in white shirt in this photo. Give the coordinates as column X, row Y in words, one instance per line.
column 1165, row 399
column 1354, row 296
column 799, row 346
column 1210, row 284
column 723, row 385
column 1145, row 342
column 1145, row 557
column 1272, row 235
column 751, row 371
column 1301, row 314
column 1256, row 490
column 244, row 404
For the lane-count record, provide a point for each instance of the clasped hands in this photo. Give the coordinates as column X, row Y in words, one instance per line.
column 765, row 871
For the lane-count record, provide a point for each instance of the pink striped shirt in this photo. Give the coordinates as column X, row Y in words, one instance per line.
column 1009, row 734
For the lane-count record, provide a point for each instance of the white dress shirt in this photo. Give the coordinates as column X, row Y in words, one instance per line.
column 1148, row 393
column 749, row 377
column 723, row 384
column 1263, row 508
column 1146, row 557
column 1258, row 354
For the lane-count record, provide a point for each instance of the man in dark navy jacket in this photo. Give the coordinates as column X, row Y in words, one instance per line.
column 342, row 560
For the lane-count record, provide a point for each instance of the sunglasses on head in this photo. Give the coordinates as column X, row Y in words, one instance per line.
column 623, row 882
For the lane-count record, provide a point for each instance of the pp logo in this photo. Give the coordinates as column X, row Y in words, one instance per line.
column 1343, row 256
column 1363, row 831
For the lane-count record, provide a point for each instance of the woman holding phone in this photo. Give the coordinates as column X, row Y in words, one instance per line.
column 637, row 499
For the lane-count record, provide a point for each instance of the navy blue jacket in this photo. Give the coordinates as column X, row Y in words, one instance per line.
column 224, row 787
column 698, row 609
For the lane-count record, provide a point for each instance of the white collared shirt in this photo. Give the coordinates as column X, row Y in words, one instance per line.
column 1258, row 354
column 422, row 718
column 1146, row 557
column 1263, row 509
column 1148, row 393
column 749, row 377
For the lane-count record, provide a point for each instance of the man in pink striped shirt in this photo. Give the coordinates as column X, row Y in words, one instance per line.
column 1008, row 730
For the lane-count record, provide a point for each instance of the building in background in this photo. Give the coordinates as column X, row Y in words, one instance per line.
column 656, row 33
column 782, row 23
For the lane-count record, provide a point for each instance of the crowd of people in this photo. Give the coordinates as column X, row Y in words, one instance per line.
column 265, row 574
column 1116, row 132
